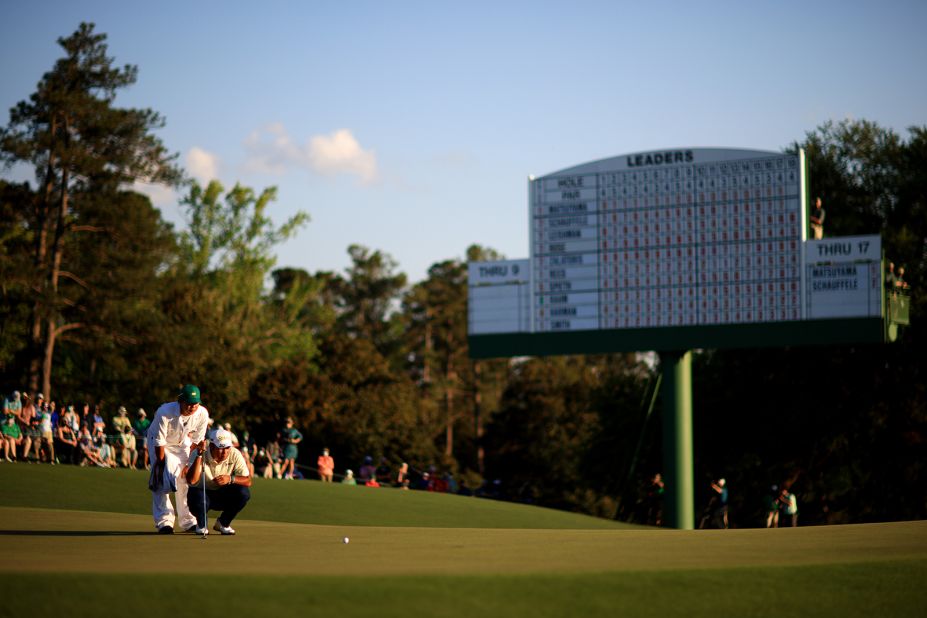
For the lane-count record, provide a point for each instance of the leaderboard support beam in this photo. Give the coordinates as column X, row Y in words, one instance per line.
column 679, row 507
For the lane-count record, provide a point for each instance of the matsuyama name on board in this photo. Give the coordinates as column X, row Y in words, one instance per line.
column 561, row 209
column 836, row 278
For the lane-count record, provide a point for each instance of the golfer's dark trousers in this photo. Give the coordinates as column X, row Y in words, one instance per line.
column 230, row 499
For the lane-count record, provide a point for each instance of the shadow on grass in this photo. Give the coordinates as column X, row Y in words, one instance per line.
column 75, row 533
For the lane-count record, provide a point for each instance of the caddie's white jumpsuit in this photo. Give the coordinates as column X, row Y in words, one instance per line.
column 176, row 433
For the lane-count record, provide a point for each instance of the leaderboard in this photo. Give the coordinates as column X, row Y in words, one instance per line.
column 679, row 237
column 499, row 297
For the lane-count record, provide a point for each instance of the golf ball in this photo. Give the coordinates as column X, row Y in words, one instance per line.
column 346, row 540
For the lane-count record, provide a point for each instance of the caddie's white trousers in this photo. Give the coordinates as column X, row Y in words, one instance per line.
column 175, row 458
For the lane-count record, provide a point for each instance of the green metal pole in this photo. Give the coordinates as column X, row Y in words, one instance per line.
column 679, row 506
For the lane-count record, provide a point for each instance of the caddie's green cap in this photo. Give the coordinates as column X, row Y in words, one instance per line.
column 190, row 394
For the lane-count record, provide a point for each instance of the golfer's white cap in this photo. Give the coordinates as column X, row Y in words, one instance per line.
column 221, row 439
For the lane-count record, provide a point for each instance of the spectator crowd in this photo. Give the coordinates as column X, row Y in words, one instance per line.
column 36, row 430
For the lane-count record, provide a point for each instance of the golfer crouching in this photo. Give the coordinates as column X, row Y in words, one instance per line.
column 227, row 482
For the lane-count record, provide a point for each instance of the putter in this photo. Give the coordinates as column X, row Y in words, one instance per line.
column 205, row 508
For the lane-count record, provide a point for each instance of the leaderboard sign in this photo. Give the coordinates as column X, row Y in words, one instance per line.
column 669, row 238
column 674, row 250
column 844, row 277
column 499, row 297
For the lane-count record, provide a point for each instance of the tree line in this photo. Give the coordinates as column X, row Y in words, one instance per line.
column 102, row 300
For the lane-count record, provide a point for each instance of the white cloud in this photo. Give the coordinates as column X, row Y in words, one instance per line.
column 340, row 152
column 272, row 150
column 202, row 165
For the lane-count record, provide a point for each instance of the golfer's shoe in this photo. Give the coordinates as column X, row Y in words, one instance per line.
column 200, row 531
column 166, row 530
column 223, row 529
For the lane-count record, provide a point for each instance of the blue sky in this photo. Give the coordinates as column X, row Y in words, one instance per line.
column 411, row 127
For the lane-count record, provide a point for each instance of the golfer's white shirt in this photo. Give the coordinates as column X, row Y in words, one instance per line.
column 174, row 431
column 234, row 464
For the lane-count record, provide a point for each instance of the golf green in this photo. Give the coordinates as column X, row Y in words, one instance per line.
column 282, row 561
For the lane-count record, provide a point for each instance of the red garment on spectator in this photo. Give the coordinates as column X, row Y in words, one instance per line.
column 326, row 464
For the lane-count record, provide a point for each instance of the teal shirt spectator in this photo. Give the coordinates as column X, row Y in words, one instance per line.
column 290, row 450
column 12, row 405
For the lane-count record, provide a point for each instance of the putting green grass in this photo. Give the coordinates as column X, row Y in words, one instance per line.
column 126, row 491
column 890, row 589
column 110, row 559
column 275, row 548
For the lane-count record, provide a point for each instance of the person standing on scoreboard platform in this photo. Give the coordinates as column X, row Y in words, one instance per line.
column 890, row 277
column 817, row 219
column 900, row 283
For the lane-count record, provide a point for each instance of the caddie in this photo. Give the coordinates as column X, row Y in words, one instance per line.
column 176, row 427
column 227, row 482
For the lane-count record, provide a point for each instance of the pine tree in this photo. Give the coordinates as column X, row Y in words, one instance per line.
column 78, row 143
